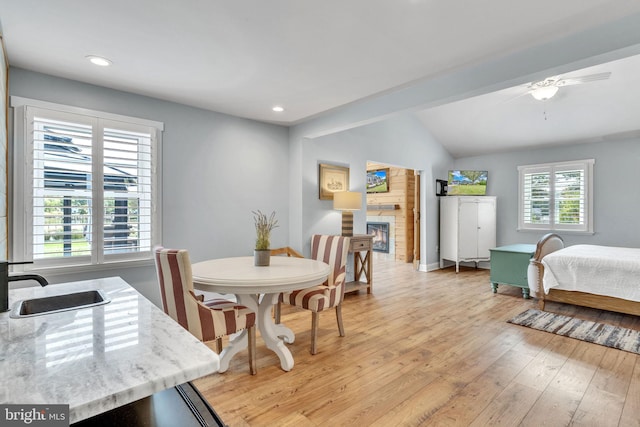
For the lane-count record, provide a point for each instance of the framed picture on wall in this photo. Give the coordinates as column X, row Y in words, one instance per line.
column 332, row 179
column 378, row 181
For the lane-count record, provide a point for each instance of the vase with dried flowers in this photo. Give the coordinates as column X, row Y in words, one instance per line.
column 264, row 225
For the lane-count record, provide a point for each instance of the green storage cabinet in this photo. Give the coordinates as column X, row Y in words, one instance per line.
column 509, row 266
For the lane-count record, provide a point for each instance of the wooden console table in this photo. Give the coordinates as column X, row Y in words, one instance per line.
column 361, row 247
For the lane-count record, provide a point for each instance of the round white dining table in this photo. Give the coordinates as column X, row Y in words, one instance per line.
column 258, row 288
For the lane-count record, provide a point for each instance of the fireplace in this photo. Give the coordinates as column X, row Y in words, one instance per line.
column 380, row 232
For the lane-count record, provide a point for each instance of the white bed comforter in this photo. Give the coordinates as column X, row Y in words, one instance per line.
column 602, row 270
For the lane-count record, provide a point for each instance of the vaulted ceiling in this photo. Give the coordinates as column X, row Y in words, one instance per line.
column 512, row 119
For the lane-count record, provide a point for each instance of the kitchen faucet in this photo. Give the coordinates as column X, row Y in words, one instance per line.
column 5, row 279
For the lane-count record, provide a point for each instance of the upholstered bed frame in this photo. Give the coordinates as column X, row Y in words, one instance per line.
column 551, row 243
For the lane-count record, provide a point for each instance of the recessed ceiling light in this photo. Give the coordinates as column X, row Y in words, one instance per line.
column 278, row 109
column 99, row 60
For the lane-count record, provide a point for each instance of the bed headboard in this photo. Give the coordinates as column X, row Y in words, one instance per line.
column 548, row 243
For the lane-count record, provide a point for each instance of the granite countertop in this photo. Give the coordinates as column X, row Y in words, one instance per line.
column 96, row 359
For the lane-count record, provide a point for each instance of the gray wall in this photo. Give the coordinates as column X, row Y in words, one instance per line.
column 4, row 219
column 216, row 170
column 399, row 141
column 616, row 196
column 403, row 141
column 594, row 46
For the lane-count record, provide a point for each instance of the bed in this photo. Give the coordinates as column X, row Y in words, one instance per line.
column 602, row 277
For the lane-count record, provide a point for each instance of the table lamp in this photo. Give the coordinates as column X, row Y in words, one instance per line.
column 347, row 202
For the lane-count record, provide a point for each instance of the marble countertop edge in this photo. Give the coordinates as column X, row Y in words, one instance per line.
column 96, row 359
column 124, row 397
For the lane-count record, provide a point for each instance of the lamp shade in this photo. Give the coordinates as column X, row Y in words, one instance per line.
column 347, row 201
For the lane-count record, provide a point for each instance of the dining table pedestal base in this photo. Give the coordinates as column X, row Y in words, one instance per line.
column 274, row 335
column 259, row 288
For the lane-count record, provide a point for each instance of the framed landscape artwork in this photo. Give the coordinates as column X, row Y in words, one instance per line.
column 332, row 179
column 378, row 181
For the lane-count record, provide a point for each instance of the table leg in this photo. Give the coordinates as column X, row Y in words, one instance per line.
column 237, row 342
column 269, row 331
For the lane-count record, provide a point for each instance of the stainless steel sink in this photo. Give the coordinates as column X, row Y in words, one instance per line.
column 57, row 303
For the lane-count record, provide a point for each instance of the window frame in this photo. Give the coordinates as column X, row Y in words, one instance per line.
column 21, row 175
column 587, row 166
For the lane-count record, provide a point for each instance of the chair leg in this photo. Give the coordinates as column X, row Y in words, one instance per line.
column 339, row 318
column 276, row 312
column 218, row 345
column 315, row 317
column 251, row 336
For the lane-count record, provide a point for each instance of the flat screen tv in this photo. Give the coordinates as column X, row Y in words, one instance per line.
column 378, row 181
column 467, row 183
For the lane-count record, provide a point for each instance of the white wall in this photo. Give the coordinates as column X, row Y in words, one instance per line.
column 616, row 196
column 216, row 170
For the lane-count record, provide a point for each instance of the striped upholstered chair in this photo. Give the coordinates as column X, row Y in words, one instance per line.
column 206, row 320
column 333, row 250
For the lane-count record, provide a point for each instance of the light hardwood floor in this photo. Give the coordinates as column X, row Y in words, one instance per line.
column 433, row 349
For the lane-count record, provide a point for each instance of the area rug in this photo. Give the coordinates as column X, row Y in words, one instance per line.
column 585, row 330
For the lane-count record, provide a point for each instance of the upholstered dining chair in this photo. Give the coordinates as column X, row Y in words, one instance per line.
column 333, row 250
column 206, row 320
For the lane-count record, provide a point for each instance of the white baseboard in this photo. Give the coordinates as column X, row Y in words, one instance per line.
column 429, row 267
column 486, row 265
column 436, row 266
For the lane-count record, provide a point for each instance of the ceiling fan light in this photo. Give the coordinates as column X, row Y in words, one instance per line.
column 544, row 93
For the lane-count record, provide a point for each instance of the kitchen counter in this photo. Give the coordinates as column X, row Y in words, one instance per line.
column 96, row 359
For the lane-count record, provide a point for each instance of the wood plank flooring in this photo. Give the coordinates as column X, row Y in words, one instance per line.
column 433, row 349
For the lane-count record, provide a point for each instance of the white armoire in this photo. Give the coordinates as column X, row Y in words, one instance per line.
column 467, row 228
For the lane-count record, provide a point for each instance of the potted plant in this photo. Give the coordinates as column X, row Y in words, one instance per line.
column 264, row 225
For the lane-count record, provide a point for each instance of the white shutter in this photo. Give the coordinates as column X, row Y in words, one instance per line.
column 88, row 189
column 556, row 196
column 127, row 169
column 570, row 196
column 536, row 196
column 62, row 182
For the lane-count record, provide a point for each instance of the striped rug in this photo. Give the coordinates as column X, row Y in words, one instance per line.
column 585, row 330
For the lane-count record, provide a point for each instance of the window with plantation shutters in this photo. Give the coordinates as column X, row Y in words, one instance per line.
column 556, row 196
column 88, row 189
column 62, row 187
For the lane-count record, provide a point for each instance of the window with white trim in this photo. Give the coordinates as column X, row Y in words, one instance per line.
column 88, row 189
column 557, row 196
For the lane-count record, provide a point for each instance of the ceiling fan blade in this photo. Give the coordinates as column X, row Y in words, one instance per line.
column 514, row 96
column 583, row 79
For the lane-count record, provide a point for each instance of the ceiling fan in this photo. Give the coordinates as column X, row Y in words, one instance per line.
column 547, row 88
